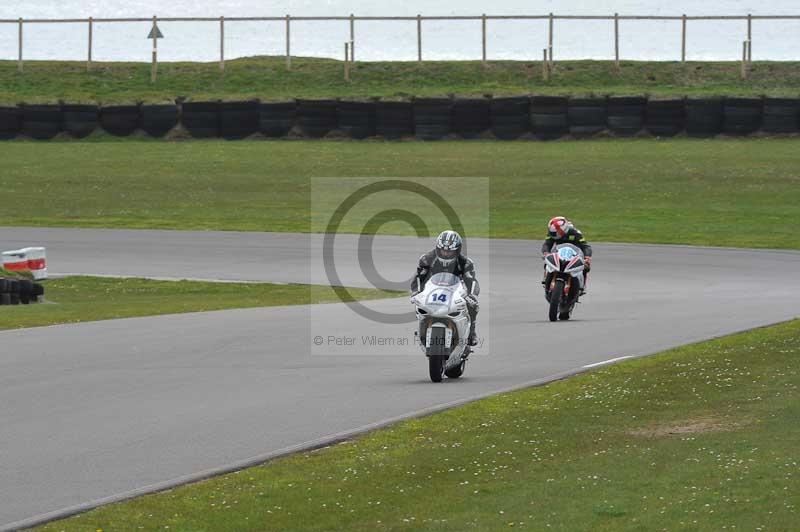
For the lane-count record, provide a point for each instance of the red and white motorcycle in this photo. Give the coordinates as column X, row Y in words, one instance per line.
column 564, row 280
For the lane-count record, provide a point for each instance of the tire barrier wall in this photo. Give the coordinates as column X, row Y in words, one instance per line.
column 394, row 120
column 20, row 292
column 626, row 115
column 238, row 120
column 357, row 119
column 120, row 120
column 549, row 117
column 158, row 120
column 507, row 118
column 587, row 116
column 80, row 121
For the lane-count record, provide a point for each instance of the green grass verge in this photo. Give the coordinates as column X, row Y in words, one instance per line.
column 699, row 438
column 682, row 191
column 79, row 299
column 267, row 78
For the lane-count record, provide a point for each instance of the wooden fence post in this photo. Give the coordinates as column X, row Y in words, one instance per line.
column 744, row 60
column 222, row 44
column 19, row 58
column 616, row 40
column 89, row 54
column 154, row 65
column 683, row 38
column 419, row 38
column 352, row 38
column 545, row 67
column 483, row 37
column 288, row 42
column 347, row 61
column 550, row 41
column 749, row 38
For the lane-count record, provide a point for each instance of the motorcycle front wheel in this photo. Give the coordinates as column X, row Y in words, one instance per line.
column 436, row 367
column 555, row 299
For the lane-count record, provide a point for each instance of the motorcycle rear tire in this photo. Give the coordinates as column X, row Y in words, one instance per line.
column 555, row 299
column 436, row 367
column 564, row 316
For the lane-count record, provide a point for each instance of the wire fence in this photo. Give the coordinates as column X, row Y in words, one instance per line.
column 419, row 20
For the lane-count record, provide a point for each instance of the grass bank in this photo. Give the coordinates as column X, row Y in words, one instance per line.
column 268, row 79
column 681, row 191
column 702, row 437
column 80, row 299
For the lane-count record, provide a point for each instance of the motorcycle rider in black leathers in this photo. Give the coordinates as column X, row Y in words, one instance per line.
column 447, row 257
column 562, row 231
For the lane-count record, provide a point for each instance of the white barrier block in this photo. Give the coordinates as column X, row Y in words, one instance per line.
column 32, row 258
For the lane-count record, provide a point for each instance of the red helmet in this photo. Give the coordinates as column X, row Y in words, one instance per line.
column 558, row 227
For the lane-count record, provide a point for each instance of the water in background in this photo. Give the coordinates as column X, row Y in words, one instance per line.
column 199, row 41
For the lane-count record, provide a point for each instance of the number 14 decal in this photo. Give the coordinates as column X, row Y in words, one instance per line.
column 440, row 297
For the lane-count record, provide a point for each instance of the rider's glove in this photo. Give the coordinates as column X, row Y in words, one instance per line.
column 588, row 261
column 471, row 300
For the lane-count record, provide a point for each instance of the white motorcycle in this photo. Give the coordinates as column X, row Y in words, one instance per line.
column 564, row 280
column 444, row 325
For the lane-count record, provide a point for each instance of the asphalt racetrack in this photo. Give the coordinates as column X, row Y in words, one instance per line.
column 94, row 412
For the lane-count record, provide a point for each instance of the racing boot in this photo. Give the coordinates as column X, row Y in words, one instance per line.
column 473, row 336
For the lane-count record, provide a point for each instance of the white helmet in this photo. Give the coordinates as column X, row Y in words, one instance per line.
column 448, row 247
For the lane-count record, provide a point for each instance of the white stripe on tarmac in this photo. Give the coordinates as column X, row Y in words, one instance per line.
column 605, row 362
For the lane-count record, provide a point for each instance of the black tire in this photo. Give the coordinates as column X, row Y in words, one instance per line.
column 564, row 316
column 357, row 119
column 394, row 120
column 703, row 117
column 276, row 119
column 510, row 117
column 13, row 292
column 626, row 115
column 3, row 286
column 25, row 291
column 10, row 122
column 587, row 116
column 470, row 118
column 317, row 118
column 38, row 290
column 781, row 115
column 201, row 119
column 549, row 117
column 80, row 120
column 238, row 120
column 456, row 372
column 5, row 299
column 741, row 116
column 432, row 118
column 41, row 122
column 555, row 299
column 120, row 120
column 158, row 120
column 436, row 367
column 664, row 118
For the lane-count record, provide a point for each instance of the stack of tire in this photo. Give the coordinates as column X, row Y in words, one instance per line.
column 549, row 119
column 587, row 116
column 20, row 291
column 471, row 118
column 432, row 118
column 626, row 115
column 394, row 120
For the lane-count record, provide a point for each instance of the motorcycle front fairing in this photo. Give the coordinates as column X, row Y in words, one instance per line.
column 566, row 261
